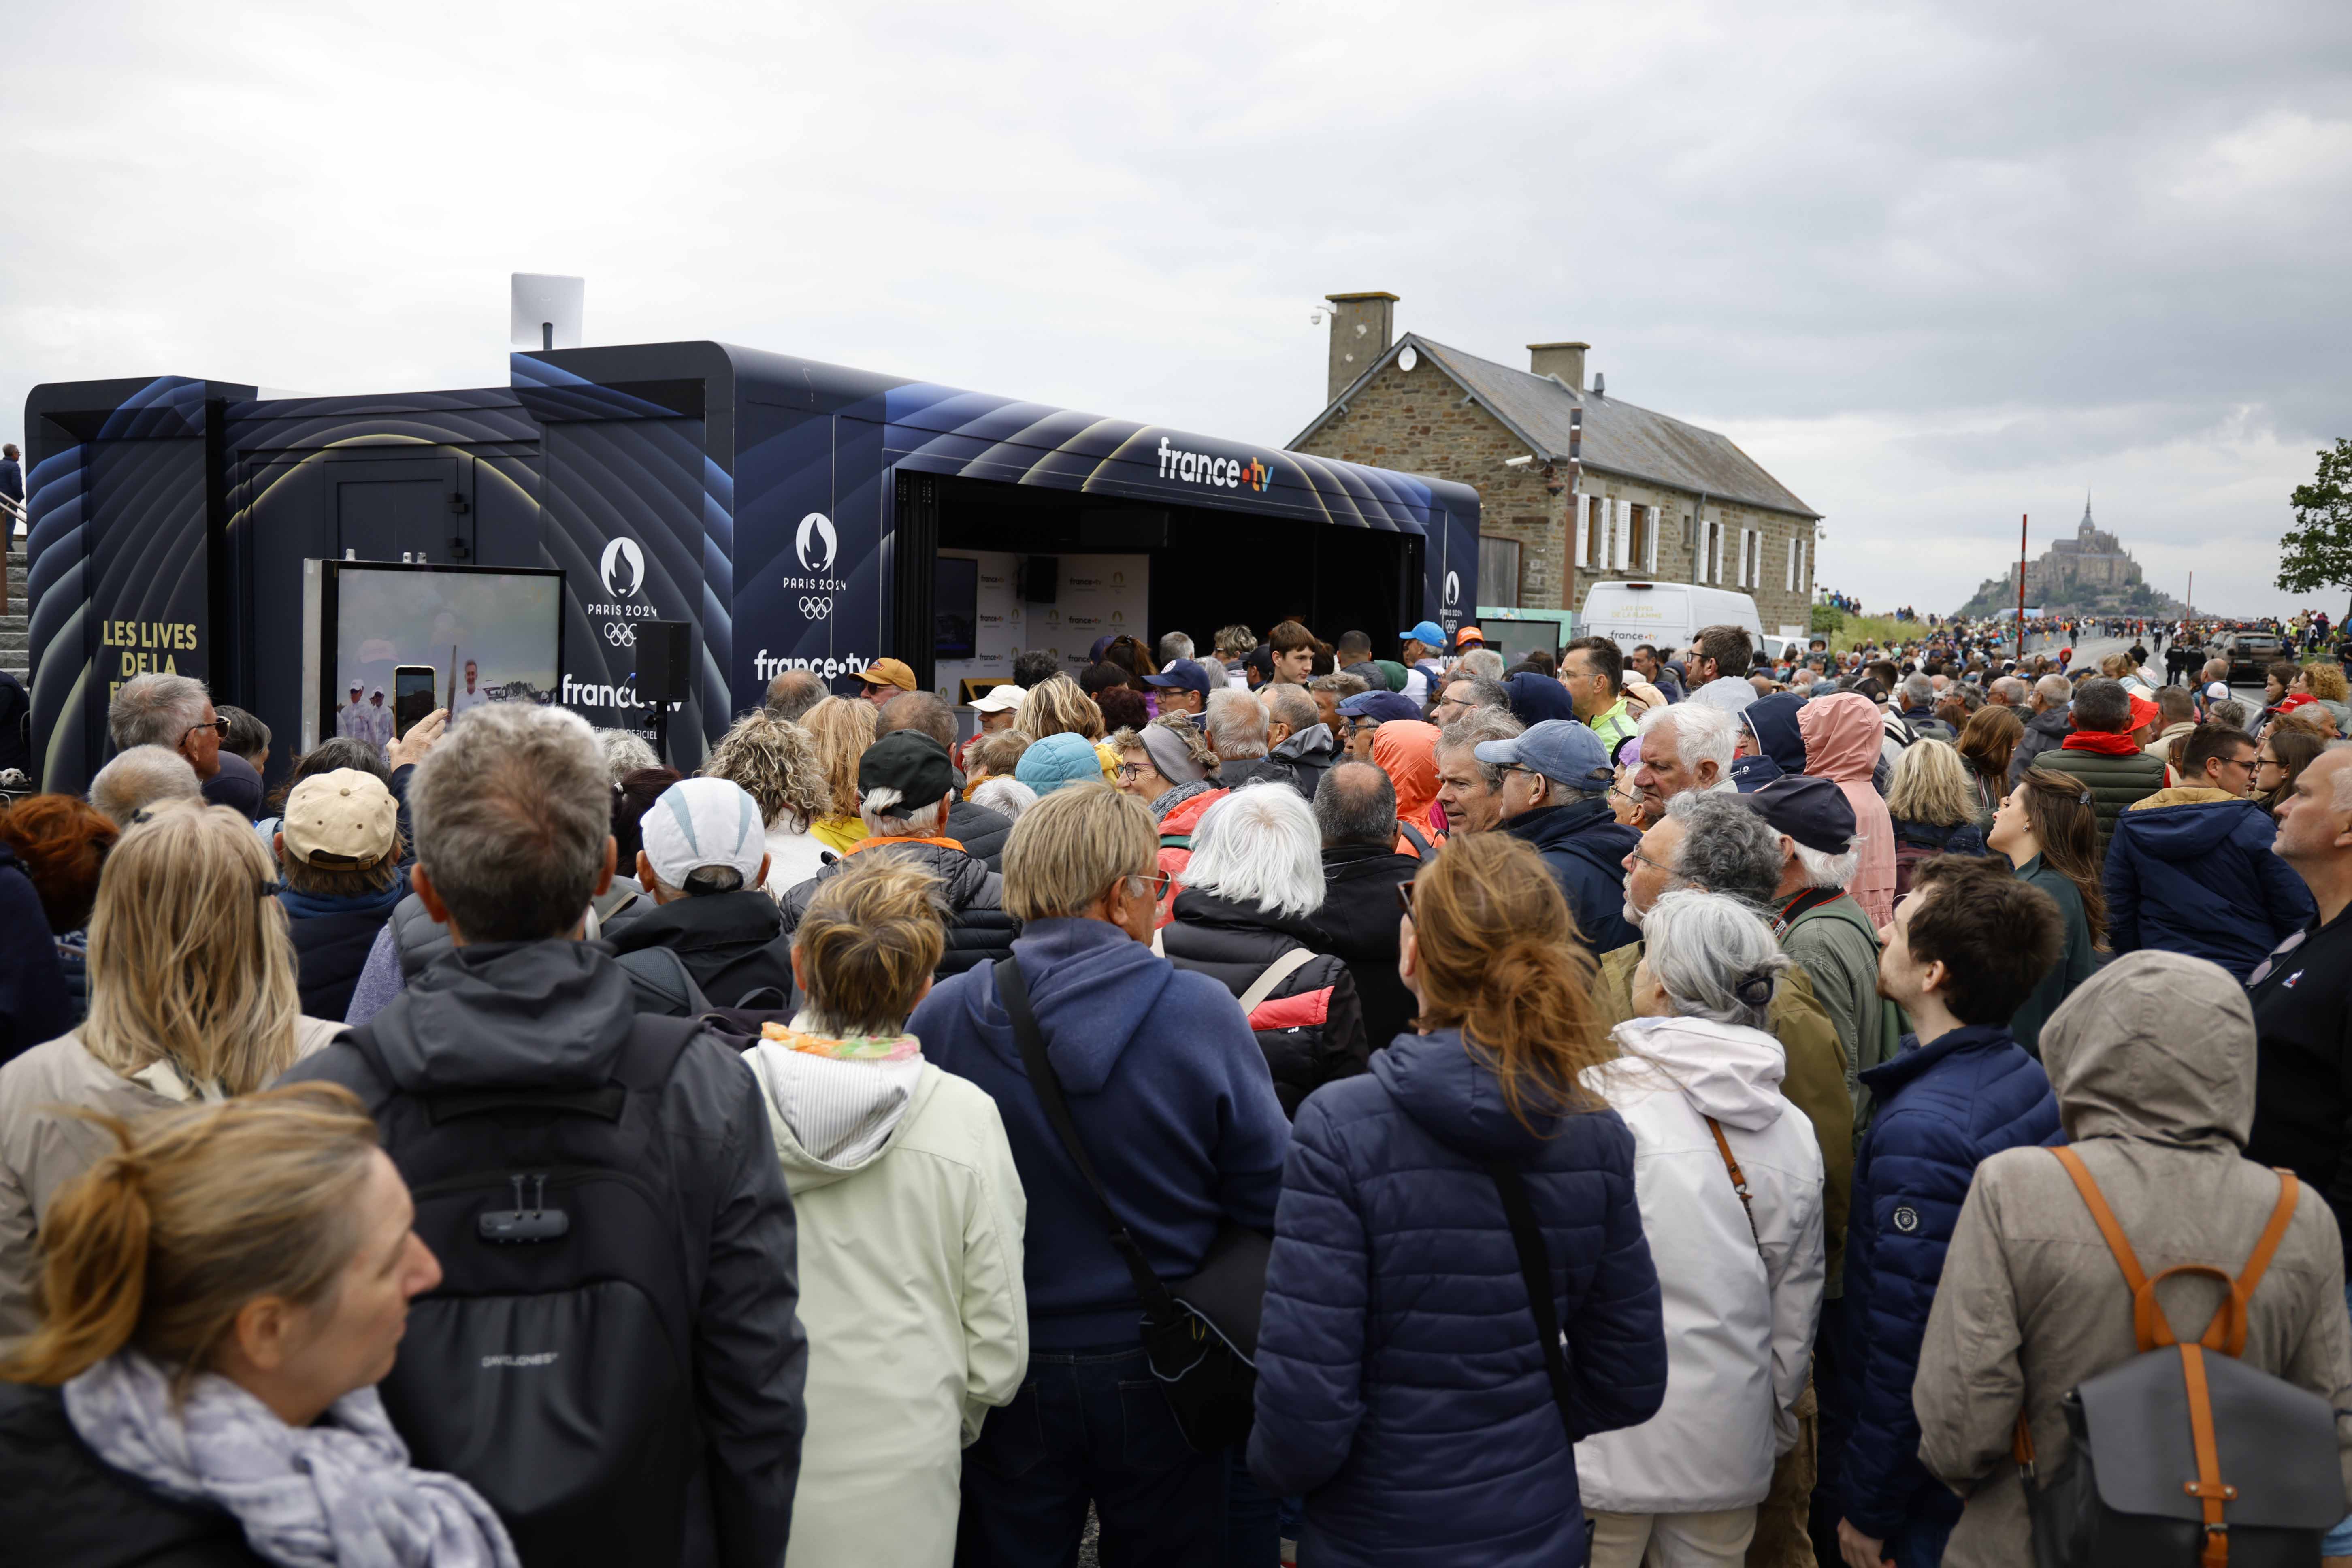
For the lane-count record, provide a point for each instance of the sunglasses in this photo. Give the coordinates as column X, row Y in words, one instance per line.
column 1404, row 898
column 218, row 727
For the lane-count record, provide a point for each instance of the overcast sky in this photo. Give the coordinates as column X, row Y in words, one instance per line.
column 1933, row 265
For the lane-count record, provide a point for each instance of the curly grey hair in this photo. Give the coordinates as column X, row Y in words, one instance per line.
column 1728, row 847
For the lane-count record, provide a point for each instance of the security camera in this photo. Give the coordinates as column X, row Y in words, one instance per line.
column 1518, row 462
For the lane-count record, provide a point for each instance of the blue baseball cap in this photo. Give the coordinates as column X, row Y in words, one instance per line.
column 1561, row 750
column 1428, row 632
column 1182, row 673
column 1380, row 707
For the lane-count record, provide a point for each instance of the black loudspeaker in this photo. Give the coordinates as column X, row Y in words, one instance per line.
column 1040, row 577
column 665, row 674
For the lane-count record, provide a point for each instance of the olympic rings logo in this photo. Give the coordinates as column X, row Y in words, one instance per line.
column 620, row 634
column 816, row 606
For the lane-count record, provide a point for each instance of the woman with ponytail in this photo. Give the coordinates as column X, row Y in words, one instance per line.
column 1403, row 1384
column 1731, row 1196
column 223, row 1288
column 191, row 997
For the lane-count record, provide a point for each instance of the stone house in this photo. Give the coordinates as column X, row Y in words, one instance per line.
column 1652, row 498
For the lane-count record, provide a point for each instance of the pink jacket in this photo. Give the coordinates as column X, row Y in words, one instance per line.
column 1842, row 734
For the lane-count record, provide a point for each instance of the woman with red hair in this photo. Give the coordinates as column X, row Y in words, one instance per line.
column 61, row 841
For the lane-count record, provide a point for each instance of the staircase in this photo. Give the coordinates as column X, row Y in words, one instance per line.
column 15, row 629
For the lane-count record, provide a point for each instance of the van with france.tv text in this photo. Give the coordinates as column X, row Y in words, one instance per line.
column 1666, row 615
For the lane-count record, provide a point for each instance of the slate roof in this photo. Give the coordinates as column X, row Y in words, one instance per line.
column 1619, row 438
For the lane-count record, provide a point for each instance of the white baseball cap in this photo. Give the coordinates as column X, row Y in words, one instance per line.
column 704, row 822
column 999, row 699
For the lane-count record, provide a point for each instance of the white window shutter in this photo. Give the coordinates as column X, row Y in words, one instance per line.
column 1790, row 586
column 1622, row 533
column 1718, row 558
column 1650, row 559
column 1576, row 525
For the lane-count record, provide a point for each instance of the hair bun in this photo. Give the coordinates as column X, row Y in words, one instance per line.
column 1755, row 989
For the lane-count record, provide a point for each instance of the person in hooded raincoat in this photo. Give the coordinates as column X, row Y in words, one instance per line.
column 1770, row 744
column 2153, row 1063
column 1840, row 735
column 1406, row 749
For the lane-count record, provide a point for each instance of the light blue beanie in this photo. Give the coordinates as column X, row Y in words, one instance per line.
column 1058, row 760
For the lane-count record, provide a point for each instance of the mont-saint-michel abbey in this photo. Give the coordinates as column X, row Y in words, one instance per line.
column 2091, row 571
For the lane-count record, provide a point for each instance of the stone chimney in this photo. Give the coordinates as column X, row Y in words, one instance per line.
column 1565, row 361
column 1362, row 327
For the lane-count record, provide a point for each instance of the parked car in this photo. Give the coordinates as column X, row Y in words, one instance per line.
column 2250, row 654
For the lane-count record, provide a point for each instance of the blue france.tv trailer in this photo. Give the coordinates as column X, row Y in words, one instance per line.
column 791, row 511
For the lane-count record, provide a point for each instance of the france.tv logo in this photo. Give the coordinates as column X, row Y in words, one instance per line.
column 1200, row 469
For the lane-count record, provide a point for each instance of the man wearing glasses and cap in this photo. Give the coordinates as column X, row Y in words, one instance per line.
column 1556, row 780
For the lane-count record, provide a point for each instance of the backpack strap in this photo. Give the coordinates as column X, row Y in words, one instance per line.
column 1270, row 978
column 1415, row 836
column 1014, row 991
column 1535, row 1273
column 651, row 1053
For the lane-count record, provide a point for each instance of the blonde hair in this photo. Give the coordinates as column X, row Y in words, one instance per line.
column 1931, row 786
column 843, row 727
column 2325, row 679
column 1057, row 706
column 777, row 763
column 189, row 959
column 871, row 937
column 995, row 754
column 1072, row 846
column 1498, row 958
column 198, row 1210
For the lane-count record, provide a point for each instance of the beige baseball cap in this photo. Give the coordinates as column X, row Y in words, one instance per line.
column 340, row 819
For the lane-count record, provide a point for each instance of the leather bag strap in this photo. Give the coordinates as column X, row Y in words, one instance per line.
column 2117, row 1243
column 1535, row 1272
column 1015, row 993
column 1271, row 977
column 2209, row 1489
column 1738, row 1181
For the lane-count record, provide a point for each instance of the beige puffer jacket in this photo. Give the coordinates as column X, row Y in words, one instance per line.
column 2153, row 1062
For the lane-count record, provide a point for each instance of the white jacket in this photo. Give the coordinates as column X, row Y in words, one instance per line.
column 909, row 1215
column 1739, row 1326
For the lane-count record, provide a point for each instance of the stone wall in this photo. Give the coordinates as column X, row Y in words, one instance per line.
column 1417, row 422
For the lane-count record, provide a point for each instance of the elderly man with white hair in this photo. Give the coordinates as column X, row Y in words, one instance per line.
column 905, row 785
column 140, row 778
column 1821, row 925
column 172, row 711
column 1685, row 747
column 1242, row 917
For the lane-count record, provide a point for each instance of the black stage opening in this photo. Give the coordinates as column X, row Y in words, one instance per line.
column 1211, row 567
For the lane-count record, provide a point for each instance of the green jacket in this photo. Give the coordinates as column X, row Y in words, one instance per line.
column 1838, row 949
column 1612, row 725
column 2077, row 961
column 2117, row 784
column 1816, row 1082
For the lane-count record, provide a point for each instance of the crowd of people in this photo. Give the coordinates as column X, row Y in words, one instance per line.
column 1275, row 1103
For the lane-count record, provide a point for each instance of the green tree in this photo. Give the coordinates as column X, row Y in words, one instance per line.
column 2316, row 552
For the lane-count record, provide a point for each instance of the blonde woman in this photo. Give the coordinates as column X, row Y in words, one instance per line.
column 777, row 763
column 1056, row 706
column 842, row 728
column 1934, row 804
column 191, row 997
column 226, row 1285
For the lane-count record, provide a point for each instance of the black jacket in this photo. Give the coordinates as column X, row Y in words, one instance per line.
column 1582, row 847
column 34, row 1003
column 980, row 831
column 666, row 987
column 732, row 944
column 1300, row 762
column 62, row 1503
column 1358, row 924
column 1312, row 1027
column 554, row 1015
column 978, row 931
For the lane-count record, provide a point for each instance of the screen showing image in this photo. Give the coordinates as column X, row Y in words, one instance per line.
column 955, row 607
column 486, row 636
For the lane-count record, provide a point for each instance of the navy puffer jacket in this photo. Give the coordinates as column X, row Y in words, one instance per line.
column 2191, row 870
column 1943, row 1109
column 1400, row 1382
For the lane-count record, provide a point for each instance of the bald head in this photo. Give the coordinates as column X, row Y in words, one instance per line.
column 1355, row 806
column 2051, row 691
column 2010, row 691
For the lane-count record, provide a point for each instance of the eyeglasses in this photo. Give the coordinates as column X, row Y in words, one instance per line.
column 1154, row 882
column 2268, row 762
column 2249, row 764
column 1128, row 772
column 1652, row 865
column 218, row 727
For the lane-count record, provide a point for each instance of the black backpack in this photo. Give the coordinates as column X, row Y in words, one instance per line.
column 552, row 1368
column 2185, row 1455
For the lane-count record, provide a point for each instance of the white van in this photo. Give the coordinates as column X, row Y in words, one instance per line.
column 1666, row 615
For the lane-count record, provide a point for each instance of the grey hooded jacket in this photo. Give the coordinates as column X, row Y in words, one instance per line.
column 2153, row 1063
